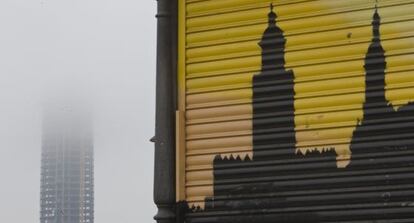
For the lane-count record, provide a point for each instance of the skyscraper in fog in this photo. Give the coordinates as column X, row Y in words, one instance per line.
column 67, row 181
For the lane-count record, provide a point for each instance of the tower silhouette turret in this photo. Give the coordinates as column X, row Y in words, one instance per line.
column 376, row 109
column 273, row 94
column 375, row 66
column 272, row 44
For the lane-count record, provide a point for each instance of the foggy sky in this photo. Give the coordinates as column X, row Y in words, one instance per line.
column 103, row 50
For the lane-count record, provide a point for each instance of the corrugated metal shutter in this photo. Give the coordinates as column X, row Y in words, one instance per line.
column 299, row 113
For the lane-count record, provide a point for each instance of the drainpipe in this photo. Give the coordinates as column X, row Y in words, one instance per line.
column 164, row 171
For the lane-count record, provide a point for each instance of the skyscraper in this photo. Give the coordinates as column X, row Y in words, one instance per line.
column 67, row 181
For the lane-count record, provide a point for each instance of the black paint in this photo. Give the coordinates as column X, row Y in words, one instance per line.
column 273, row 93
column 380, row 122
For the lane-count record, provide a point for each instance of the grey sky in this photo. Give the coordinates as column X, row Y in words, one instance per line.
column 105, row 50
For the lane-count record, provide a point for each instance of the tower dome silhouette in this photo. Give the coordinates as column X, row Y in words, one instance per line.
column 272, row 44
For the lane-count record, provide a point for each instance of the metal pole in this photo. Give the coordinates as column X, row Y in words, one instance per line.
column 164, row 172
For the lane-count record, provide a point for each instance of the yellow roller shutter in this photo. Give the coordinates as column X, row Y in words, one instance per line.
column 240, row 61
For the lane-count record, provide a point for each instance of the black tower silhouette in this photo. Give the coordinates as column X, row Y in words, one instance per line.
column 382, row 130
column 383, row 142
column 273, row 96
column 274, row 140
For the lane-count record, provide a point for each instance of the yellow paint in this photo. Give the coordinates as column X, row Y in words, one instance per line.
column 220, row 96
column 180, row 114
column 205, row 144
column 219, row 83
column 217, row 128
column 207, row 115
column 326, row 45
column 180, row 156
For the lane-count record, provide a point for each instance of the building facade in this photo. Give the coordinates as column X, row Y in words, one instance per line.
column 67, row 177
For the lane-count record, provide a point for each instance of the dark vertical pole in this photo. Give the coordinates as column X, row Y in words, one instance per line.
column 164, row 172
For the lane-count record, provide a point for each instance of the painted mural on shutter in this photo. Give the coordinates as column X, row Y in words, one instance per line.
column 296, row 110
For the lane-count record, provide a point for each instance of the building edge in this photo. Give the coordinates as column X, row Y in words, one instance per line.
column 166, row 88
